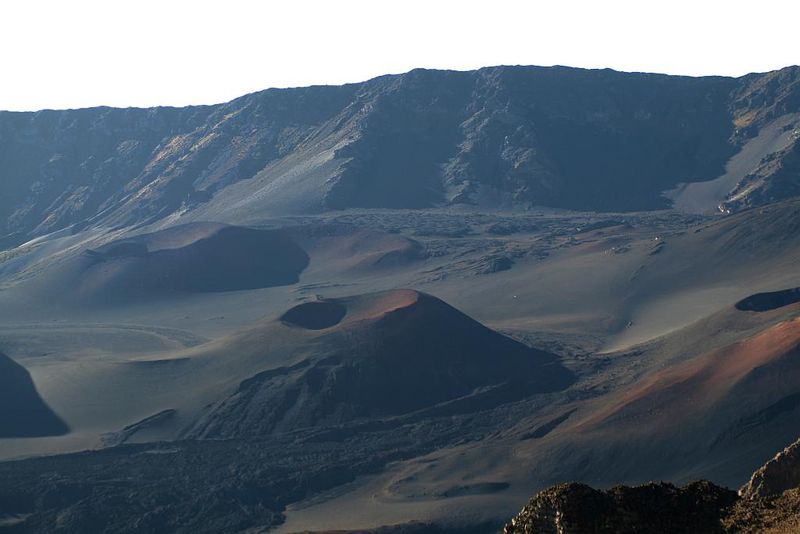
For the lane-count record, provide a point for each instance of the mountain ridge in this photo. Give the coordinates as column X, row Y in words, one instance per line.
column 498, row 136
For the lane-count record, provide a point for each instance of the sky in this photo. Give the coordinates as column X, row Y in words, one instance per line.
column 81, row 53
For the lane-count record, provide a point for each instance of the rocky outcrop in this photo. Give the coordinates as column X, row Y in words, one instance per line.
column 770, row 502
column 775, row 515
column 776, row 476
column 652, row 508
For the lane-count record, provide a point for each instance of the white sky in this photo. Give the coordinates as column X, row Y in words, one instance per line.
column 79, row 53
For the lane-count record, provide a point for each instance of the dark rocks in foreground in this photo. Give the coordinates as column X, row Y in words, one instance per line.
column 652, row 508
column 776, row 476
column 770, row 502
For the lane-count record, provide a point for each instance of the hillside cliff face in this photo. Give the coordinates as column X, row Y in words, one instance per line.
column 511, row 136
column 780, row 474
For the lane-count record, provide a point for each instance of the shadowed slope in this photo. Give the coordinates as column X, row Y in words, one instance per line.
column 762, row 302
column 194, row 258
column 22, row 412
column 315, row 315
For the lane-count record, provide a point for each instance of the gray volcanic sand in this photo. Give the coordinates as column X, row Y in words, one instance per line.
column 103, row 366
